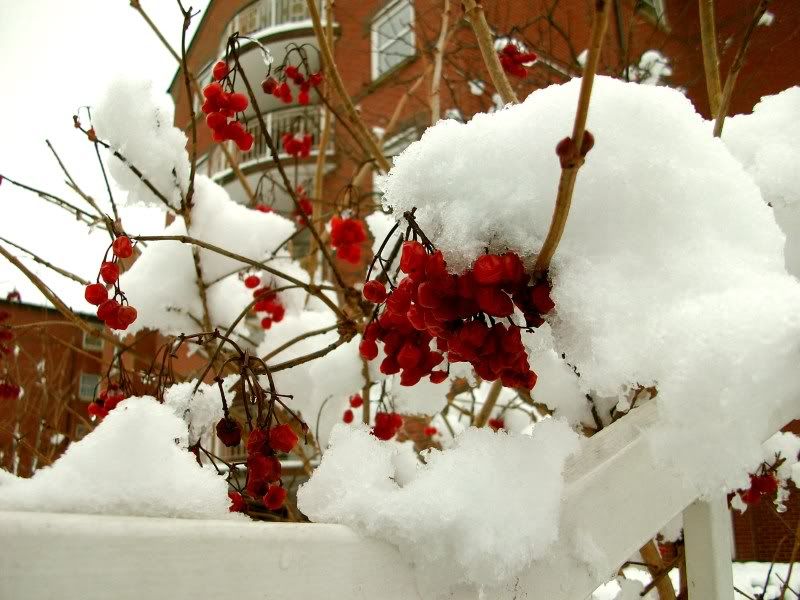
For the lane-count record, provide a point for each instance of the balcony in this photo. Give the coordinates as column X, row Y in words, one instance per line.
column 263, row 17
column 305, row 119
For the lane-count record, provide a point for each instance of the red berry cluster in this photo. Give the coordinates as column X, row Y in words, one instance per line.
column 106, row 401
column 267, row 302
column 306, row 207
column 347, row 235
column 221, row 105
column 386, row 425
column 430, row 303
column 111, row 311
column 760, row 485
column 513, row 61
column 238, row 503
column 263, row 468
column 282, row 91
column 356, row 401
column 297, row 145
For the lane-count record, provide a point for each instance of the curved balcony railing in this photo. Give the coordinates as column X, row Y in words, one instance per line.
column 288, row 120
column 265, row 14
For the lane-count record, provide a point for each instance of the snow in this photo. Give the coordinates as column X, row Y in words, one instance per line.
column 162, row 283
column 201, row 410
column 135, row 462
column 445, row 520
column 137, row 121
column 668, row 244
column 765, row 142
column 652, row 69
column 787, row 446
column 767, row 18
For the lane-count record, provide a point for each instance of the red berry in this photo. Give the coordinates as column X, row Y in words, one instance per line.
column 496, row 424
column 265, row 208
column 540, row 297
column 109, row 272
column 126, row 315
column 356, row 400
column 488, row 270
column 229, row 432
column 413, row 259
column 213, row 90
column 374, row 291
column 237, row 102
column 275, row 497
column 107, row 310
column 220, row 70
column 263, row 468
column 252, row 281
column 368, row 349
column 303, row 98
column 216, row 120
column 291, row 71
column 347, row 417
column 122, row 247
column 430, row 431
column 282, row 438
column 751, row 497
column 266, row 323
column 269, row 85
column 95, row 293
column 315, row 79
column 438, row 376
column 237, row 502
column 245, row 141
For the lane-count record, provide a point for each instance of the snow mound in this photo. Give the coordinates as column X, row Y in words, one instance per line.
column 136, row 121
column 444, row 519
column 134, row 463
column 201, row 410
column 670, row 271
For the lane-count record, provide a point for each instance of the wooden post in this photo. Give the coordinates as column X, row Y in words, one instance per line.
column 707, row 534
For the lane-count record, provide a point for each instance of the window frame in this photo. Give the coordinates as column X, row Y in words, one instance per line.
column 90, row 346
column 381, row 18
column 81, row 386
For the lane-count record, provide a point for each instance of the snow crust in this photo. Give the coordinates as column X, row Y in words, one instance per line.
column 446, row 519
column 135, row 462
column 670, row 271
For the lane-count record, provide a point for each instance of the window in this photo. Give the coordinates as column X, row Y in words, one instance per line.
column 92, row 343
column 653, row 8
column 392, row 37
column 88, row 386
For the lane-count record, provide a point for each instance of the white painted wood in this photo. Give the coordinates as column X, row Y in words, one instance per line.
column 707, row 533
column 616, row 497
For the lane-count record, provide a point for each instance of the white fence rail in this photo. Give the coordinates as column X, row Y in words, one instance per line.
column 616, row 498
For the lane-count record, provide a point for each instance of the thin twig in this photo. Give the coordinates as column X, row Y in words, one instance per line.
column 570, row 167
column 43, row 262
column 473, row 12
column 488, row 404
column 708, row 37
column 736, row 66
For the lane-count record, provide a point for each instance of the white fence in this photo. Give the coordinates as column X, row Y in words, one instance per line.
column 616, row 496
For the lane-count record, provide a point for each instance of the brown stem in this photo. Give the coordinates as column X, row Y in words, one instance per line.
column 708, row 38
column 736, row 66
column 74, row 185
column 61, row 203
column 187, row 20
column 300, row 338
column 365, row 137
column 438, row 60
column 308, row 357
column 569, row 170
column 185, row 239
column 488, row 405
column 473, row 12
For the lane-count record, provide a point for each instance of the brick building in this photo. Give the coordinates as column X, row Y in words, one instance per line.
column 58, row 368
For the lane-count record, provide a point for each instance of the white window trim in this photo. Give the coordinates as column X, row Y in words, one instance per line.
column 384, row 15
column 83, row 396
column 98, row 347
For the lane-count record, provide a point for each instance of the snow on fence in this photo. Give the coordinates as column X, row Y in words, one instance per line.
column 616, row 498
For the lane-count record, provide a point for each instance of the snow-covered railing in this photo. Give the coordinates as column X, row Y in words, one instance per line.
column 616, row 498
